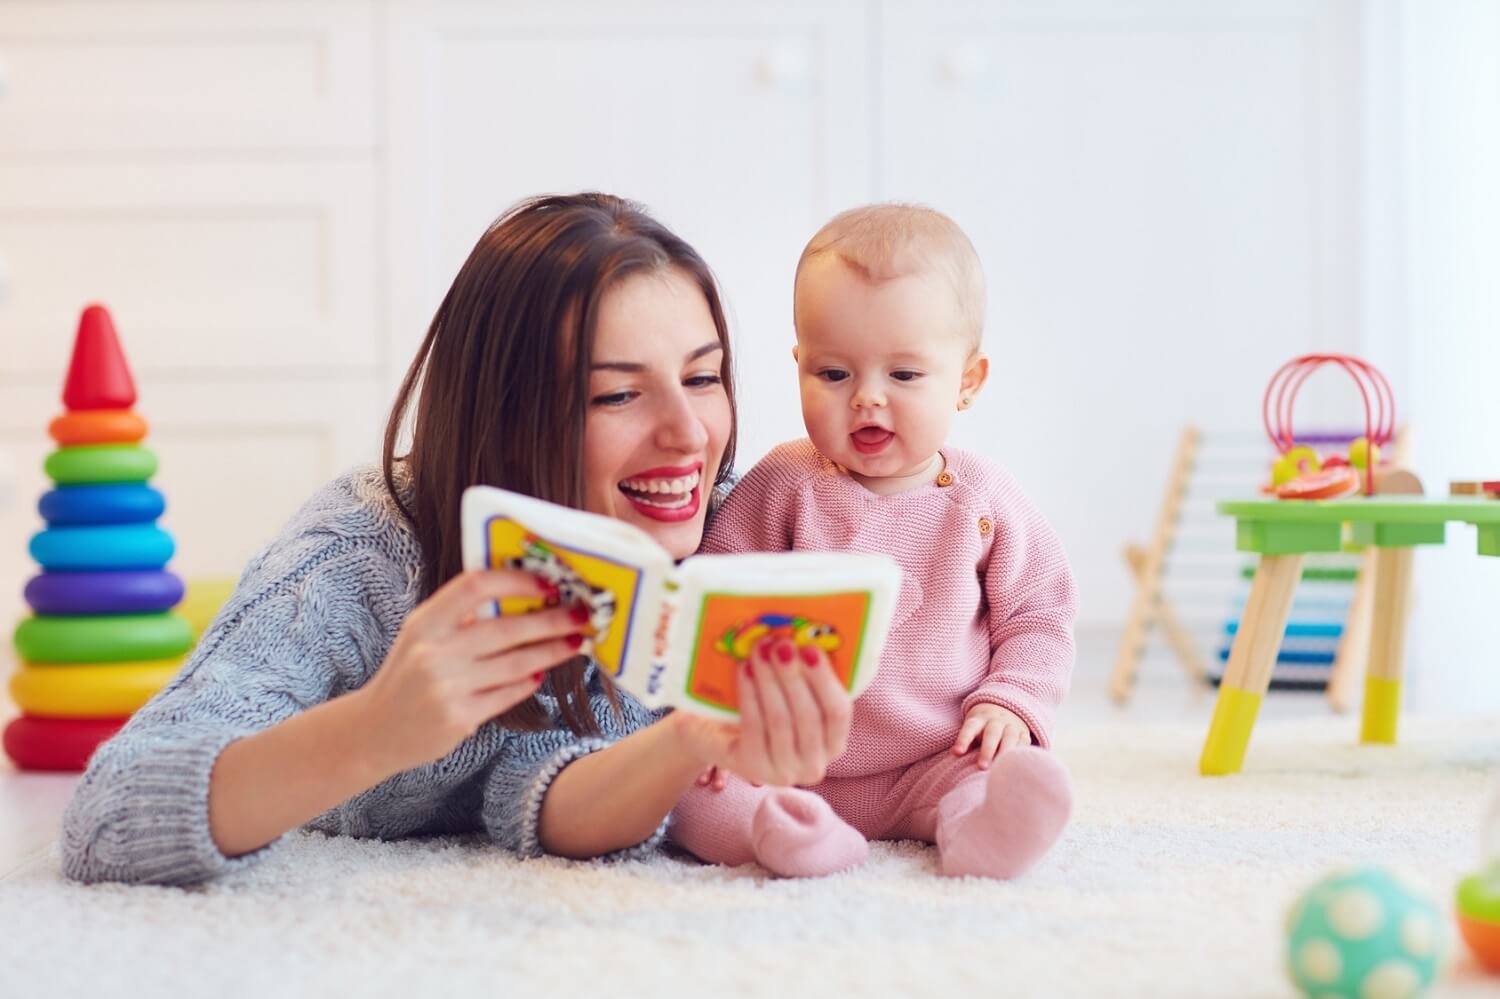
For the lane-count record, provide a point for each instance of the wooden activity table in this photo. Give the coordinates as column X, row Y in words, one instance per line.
column 1282, row 532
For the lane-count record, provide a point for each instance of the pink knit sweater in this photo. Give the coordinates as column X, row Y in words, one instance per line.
column 987, row 596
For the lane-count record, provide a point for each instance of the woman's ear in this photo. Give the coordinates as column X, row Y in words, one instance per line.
column 976, row 373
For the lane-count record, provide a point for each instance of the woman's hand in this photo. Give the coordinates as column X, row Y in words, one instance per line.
column 449, row 671
column 794, row 719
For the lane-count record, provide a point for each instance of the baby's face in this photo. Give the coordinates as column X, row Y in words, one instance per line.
column 880, row 365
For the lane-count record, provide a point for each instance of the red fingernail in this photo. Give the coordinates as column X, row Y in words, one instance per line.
column 536, row 678
column 579, row 613
column 809, row 655
column 749, row 670
column 575, row 641
column 784, row 652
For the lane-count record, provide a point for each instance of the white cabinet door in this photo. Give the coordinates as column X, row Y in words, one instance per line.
column 742, row 128
column 208, row 267
column 132, row 77
column 1153, row 186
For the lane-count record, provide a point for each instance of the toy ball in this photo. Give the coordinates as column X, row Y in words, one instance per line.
column 1477, row 908
column 1361, row 453
column 1477, row 905
column 1362, row 934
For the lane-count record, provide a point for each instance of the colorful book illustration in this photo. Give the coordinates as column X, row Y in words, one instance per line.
column 675, row 634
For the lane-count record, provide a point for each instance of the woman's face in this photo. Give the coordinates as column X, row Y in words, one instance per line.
column 658, row 415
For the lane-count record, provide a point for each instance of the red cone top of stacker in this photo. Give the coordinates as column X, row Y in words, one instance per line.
column 98, row 377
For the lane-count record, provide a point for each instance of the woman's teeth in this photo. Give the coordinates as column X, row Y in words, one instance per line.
column 665, row 493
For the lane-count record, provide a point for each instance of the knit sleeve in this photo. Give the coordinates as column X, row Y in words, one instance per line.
column 529, row 761
column 290, row 636
column 758, row 515
column 1032, row 602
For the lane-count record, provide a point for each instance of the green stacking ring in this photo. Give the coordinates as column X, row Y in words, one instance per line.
column 96, row 463
column 102, row 638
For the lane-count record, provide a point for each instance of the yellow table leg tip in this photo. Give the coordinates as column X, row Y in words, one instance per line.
column 1229, row 732
column 1382, row 708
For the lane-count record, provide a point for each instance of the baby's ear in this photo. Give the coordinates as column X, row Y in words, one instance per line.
column 976, row 373
column 794, row 353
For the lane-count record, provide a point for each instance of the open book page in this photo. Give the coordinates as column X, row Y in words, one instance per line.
column 617, row 571
column 725, row 604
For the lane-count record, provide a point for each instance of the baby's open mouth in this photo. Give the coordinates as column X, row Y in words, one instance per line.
column 870, row 440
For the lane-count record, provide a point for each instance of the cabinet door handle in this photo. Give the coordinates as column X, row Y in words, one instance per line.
column 785, row 65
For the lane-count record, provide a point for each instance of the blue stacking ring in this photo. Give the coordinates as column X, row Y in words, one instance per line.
column 117, row 503
column 129, row 592
column 131, row 546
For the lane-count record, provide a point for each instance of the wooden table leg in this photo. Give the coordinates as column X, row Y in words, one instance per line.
column 1387, row 644
column 1251, row 659
column 1354, row 646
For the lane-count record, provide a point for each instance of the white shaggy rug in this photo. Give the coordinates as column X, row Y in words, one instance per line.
column 1167, row 884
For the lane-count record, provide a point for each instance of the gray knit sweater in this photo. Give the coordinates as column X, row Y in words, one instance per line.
column 313, row 617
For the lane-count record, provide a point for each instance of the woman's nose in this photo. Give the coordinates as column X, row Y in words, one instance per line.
column 680, row 429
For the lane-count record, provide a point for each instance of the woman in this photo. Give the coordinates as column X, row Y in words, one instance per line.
column 581, row 356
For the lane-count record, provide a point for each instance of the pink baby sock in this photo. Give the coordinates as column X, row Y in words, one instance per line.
column 998, row 823
column 795, row 834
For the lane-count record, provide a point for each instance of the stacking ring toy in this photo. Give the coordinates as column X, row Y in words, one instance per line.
column 114, row 503
column 130, row 546
column 71, row 466
column 102, row 638
column 131, row 592
column 57, row 743
column 111, row 690
column 98, row 426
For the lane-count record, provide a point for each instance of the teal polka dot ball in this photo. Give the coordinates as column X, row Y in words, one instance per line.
column 1363, row 934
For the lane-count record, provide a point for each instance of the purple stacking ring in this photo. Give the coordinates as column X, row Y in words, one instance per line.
column 141, row 591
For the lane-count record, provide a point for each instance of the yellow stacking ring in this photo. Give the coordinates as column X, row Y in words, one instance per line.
column 98, row 426
column 101, row 690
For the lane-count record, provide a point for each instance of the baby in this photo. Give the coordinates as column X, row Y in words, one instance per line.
column 949, row 744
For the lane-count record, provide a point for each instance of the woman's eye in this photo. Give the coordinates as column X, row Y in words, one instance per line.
column 702, row 381
column 906, row 376
column 614, row 398
column 833, row 375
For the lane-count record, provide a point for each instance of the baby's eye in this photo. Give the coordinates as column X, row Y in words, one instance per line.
column 833, row 375
column 906, row 376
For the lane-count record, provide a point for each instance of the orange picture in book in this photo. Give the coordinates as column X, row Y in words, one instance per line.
column 730, row 625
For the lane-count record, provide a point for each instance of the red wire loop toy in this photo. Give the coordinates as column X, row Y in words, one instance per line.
column 1374, row 390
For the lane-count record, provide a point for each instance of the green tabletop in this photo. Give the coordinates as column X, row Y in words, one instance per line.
column 1289, row 527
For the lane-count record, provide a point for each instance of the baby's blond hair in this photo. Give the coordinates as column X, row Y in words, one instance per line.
column 885, row 241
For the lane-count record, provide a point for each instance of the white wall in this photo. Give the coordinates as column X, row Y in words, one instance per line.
column 1166, row 194
column 1448, row 70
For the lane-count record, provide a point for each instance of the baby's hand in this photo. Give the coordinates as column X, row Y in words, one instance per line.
column 997, row 730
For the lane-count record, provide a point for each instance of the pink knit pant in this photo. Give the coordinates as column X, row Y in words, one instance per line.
column 898, row 804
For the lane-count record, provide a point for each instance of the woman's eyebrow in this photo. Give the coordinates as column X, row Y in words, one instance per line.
column 635, row 367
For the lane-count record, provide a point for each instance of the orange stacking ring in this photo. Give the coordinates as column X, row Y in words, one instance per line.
column 98, row 426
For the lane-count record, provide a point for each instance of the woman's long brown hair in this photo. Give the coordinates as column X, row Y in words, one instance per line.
column 504, row 376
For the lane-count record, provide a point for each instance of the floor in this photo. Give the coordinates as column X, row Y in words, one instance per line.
column 31, row 805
